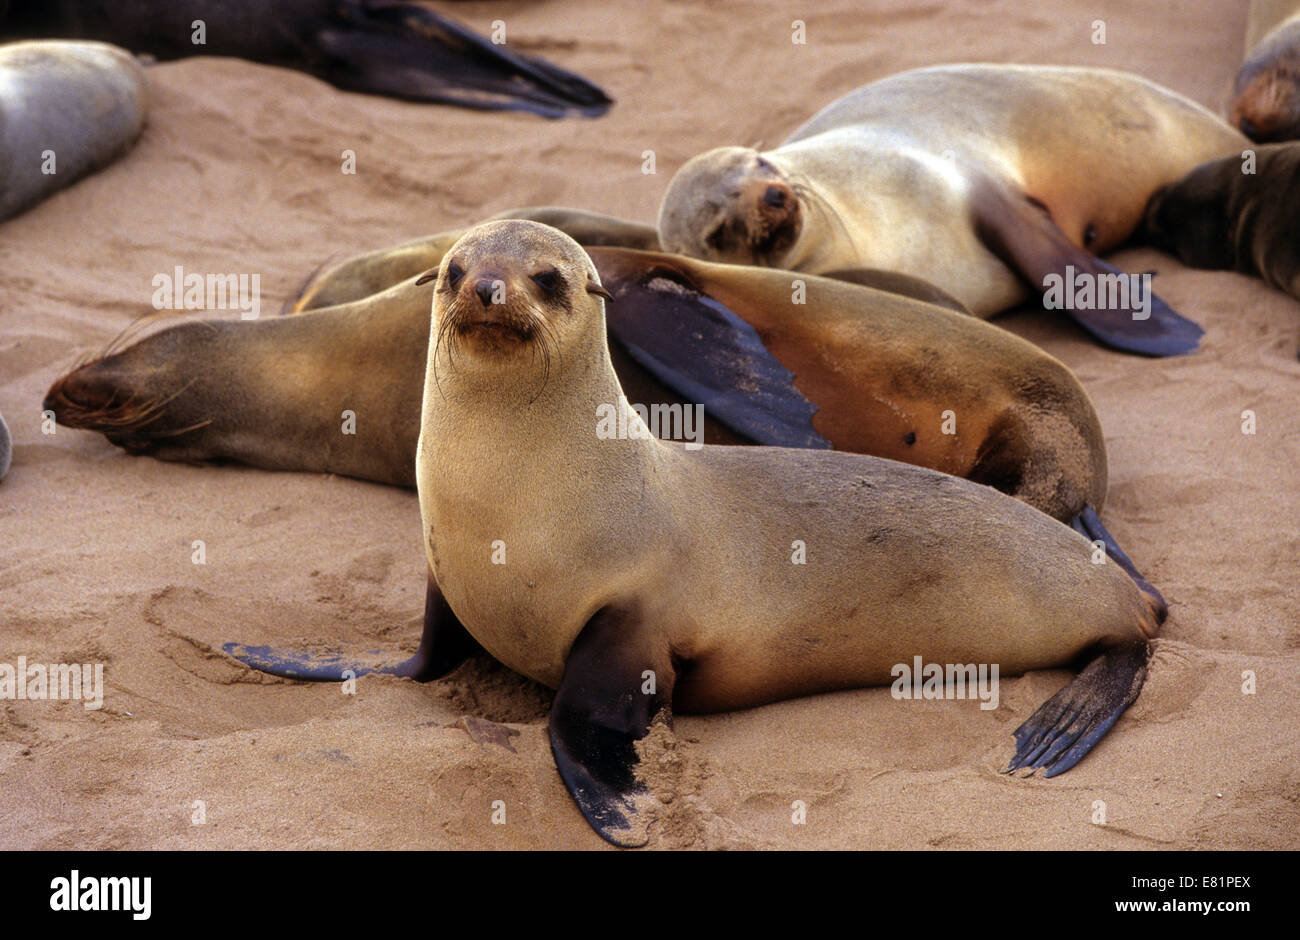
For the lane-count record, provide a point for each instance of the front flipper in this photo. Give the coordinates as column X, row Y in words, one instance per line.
column 1025, row 238
column 444, row 644
column 604, row 705
column 702, row 350
column 1071, row 722
column 1088, row 524
column 389, row 47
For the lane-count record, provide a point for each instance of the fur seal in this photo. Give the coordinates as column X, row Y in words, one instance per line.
column 643, row 577
column 67, row 109
column 964, row 176
column 849, row 367
column 1220, row 216
column 381, row 47
column 1266, row 94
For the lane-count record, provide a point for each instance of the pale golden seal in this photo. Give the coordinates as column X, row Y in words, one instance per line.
column 971, row 177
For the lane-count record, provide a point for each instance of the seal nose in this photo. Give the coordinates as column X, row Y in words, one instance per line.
column 484, row 290
column 774, row 196
column 1248, row 127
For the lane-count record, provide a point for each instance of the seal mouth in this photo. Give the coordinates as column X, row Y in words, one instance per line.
column 494, row 331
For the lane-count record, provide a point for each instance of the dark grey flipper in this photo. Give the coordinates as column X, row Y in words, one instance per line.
column 599, row 714
column 1088, row 524
column 1071, row 722
column 444, row 644
column 706, row 353
column 1025, row 238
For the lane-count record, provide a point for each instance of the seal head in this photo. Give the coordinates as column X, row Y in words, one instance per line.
column 1266, row 94
column 733, row 205
column 500, row 294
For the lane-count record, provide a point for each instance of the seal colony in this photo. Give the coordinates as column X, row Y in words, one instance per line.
column 67, row 109
column 964, row 176
column 609, row 594
column 381, row 47
column 639, row 576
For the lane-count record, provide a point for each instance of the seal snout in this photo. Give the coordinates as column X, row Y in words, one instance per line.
column 98, row 397
column 484, row 289
column 775, row 196
column 82, row 398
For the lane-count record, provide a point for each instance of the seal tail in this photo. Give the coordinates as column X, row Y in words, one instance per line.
column 1070, row 723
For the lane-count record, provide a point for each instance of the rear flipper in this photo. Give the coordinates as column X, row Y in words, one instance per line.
column 615, row 683
column 1117, row 309
column 407, row 51
column 444, row 644
column 1088, row 524
column 1071, row 722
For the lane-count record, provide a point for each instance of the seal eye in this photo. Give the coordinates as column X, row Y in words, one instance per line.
column 548, row 281
column 454, row 273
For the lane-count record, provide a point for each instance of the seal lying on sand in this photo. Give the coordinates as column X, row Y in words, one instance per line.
column 66, row 109
column 965, row 176
column 383, row 47
column 641, row 576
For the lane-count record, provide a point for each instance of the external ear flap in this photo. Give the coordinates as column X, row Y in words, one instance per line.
column 427, row 276
column 594, row 288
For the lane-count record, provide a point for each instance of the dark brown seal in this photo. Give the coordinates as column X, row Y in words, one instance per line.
column 1223, row 217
